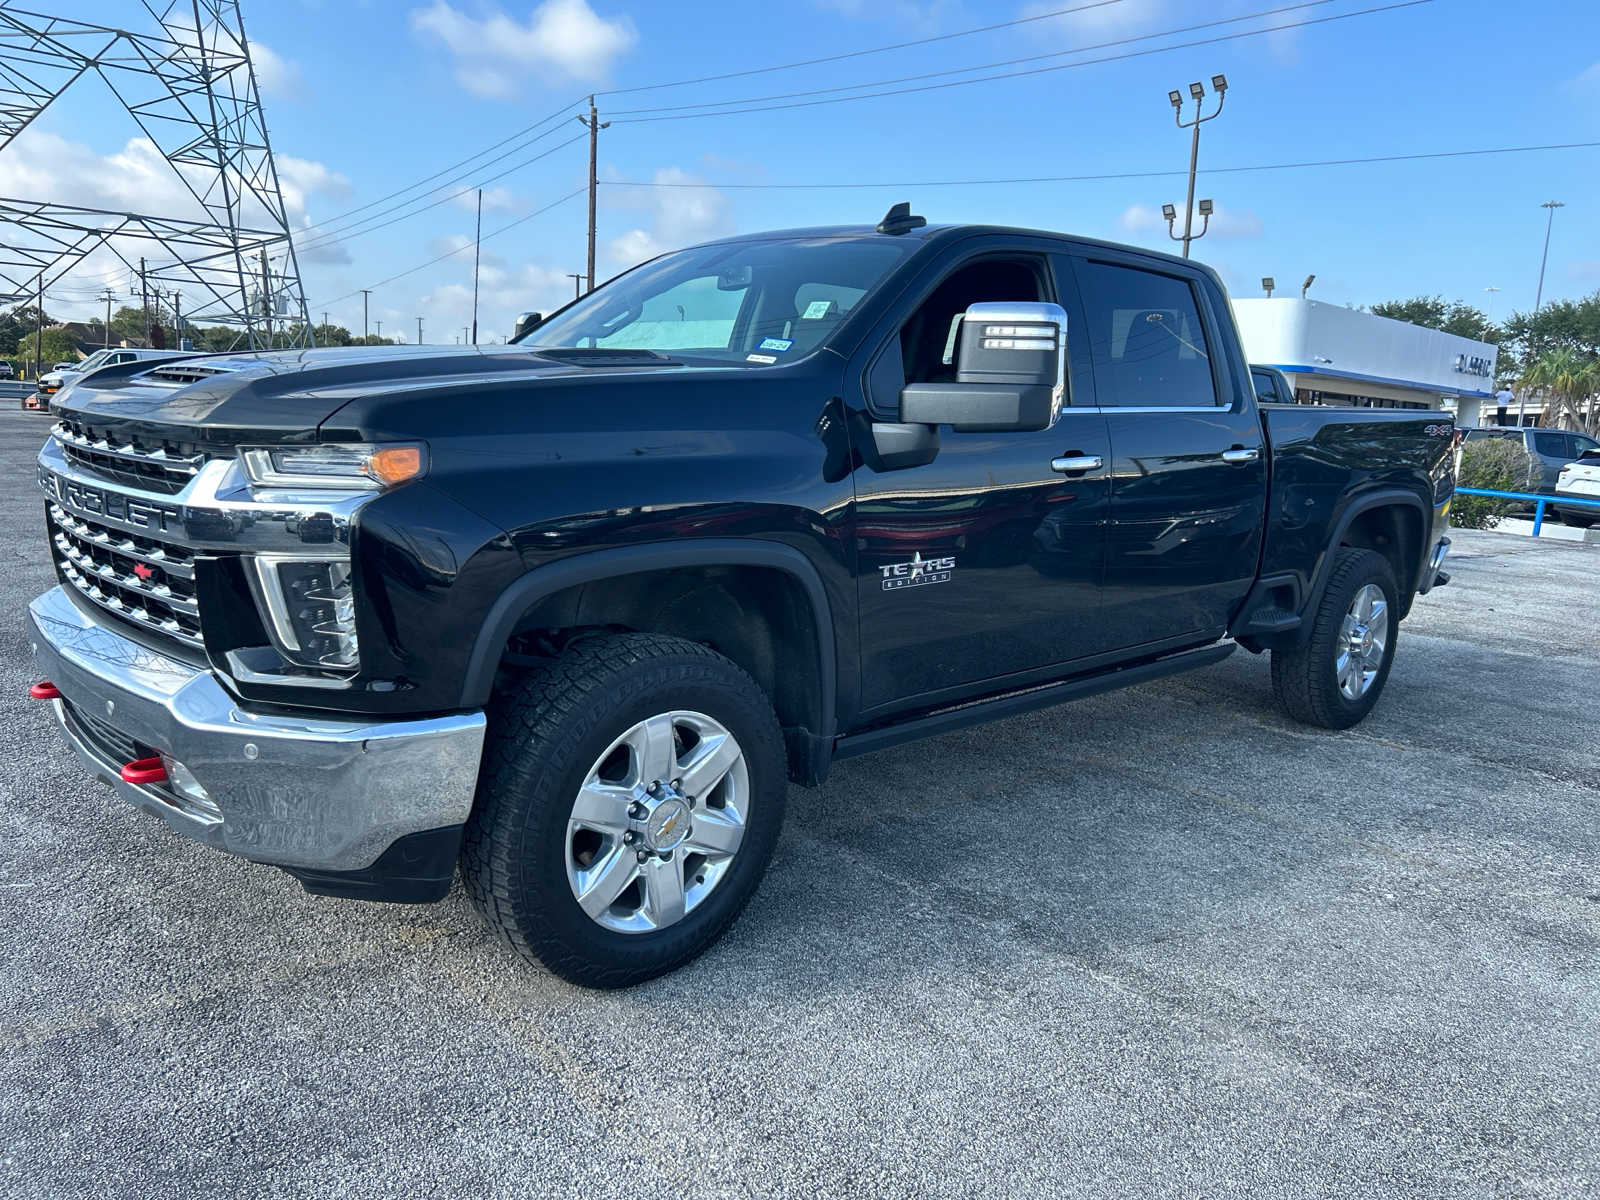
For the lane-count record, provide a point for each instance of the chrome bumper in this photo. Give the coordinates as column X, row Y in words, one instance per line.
column 313, row 793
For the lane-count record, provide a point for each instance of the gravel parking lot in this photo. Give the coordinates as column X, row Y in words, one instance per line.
column 1159, row 942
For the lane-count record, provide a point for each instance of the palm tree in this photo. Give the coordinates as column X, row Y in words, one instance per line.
column 1570, row 380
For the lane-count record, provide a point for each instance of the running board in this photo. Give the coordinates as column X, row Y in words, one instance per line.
column 975, row 712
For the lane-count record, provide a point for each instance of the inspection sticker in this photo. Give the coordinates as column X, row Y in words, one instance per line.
column 779, row 344
column 761, row 358
column 816, row 310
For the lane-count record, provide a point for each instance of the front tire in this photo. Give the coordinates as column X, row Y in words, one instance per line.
column 1335, row 678
column 631, row 795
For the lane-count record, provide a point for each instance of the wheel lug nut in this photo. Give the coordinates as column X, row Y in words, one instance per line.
column 644, row 856
column 666, row 856
column 630, row 837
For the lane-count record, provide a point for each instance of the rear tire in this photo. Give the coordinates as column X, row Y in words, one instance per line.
column 1576, row 520
column 565, row 807
column 1336, row 677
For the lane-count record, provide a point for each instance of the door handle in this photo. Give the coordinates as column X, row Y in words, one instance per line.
column 1077, row 464
column 1240, row 455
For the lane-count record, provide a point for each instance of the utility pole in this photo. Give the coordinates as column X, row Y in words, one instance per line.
column 38, row 329
column 380, row 331
column 266, row 295
column 177, row 319
column 1550, row 206
column 1198, row 91
column 464, row 337
column 577, row 284
column 477, row 245
column 419, row 331
column 144, row 301
column 324, row 324
column 594, row 125
column 365, row 292
column 108, row 297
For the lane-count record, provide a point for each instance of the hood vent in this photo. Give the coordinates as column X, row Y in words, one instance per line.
column 184, row 372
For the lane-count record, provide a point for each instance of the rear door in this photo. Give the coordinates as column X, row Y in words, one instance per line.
column 1189, row 461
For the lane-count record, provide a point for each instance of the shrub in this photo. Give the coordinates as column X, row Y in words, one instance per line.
column 1498, row 464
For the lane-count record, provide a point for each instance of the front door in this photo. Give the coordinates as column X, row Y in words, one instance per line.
column 1189, row 480
column 984, row 563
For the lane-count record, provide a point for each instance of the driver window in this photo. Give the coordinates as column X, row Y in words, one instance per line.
column 924, row 336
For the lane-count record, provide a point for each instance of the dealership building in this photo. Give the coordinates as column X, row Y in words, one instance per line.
column 1337, row 355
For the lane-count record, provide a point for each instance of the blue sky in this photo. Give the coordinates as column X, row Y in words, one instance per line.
column 364, row 99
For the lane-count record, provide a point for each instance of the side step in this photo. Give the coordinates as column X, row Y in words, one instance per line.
column 976, row 712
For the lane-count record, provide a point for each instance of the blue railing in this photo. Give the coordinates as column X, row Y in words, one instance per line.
column 1538, row 502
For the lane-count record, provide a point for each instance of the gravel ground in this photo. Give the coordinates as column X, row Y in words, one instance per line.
column 1157, row 943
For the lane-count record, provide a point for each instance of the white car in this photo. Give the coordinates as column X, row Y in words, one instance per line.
column 65, row 373
column 1579, row 480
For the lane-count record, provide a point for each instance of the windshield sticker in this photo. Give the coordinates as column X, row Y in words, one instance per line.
column 761, row 358
column 816, row 310
column 778, row 344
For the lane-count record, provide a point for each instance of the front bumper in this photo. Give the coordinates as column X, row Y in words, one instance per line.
column 327, row 799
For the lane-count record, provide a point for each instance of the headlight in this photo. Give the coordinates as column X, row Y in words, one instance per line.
column 311, row 608
column 334, row 466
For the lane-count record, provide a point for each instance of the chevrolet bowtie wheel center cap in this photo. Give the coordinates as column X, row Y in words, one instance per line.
column 668, row 824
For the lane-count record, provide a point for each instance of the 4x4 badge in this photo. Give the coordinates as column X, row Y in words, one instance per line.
column 918, row 572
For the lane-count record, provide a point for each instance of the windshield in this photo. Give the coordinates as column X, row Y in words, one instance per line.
column 93, row 361
column 760, row 302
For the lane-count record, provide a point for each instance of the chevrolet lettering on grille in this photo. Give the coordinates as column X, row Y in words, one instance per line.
column 156, row 517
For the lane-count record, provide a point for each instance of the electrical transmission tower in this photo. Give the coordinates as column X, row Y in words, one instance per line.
column 191, row 87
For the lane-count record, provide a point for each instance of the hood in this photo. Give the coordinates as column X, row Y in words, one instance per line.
column 286, row 395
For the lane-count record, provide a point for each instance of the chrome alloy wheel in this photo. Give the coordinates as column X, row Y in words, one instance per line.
column 1363, row 637
column 657, row 823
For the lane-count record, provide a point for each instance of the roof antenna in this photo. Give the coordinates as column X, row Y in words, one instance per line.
column 900, row 219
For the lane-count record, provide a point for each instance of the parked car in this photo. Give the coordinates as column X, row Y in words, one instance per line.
column 7, row 371
column 1551, row 449
column 573, row 612
column 68, row 373
column 1579, row 480
column 32, row 403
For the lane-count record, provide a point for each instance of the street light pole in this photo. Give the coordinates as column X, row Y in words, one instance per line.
column 1198, row 91
column 1550, row 206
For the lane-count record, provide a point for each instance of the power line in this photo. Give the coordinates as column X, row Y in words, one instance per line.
column 560, row 112
column 1116, row 175
column 929, row 87
column 832, row 58
column 460, row 249
column 352, row 232
column 1005, row 62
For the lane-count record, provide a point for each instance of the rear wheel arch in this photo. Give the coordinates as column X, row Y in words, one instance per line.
column 759, row 603
column 1391, row 523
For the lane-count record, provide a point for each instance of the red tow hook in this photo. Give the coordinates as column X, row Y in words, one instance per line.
column 44, row 690
column 144, row 770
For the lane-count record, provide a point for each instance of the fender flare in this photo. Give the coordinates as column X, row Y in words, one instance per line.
column 1384, row 499
column 596, row 565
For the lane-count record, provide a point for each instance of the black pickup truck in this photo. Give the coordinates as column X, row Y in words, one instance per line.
column 572, row 612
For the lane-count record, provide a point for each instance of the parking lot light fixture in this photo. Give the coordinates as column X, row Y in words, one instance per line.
column 1198, row 91
column 1267, row 284
column 1306, row 286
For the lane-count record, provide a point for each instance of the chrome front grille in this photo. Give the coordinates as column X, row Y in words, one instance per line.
column 164, row 467
column 142, row 579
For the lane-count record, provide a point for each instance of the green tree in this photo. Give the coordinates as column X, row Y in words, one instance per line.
column 17, row 323
column 1560, row 325
column 128, row 325
column 1435, row 312
column 1568, row 379
column 58, row 347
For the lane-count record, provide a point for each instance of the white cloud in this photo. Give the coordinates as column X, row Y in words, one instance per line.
column 1225, row 222
column 1587, row 82
column 686, row 211
column 496, row 55
column 138, row 179
column 922, row 16
column 1093, row 24
column 502, row 294
column 275, row 75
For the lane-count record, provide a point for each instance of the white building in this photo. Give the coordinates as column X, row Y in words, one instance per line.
column 1337, row 355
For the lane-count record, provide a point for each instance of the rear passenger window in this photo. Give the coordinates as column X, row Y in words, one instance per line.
column 1551, row 445
column 1146, row 338
column 1266, row 387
